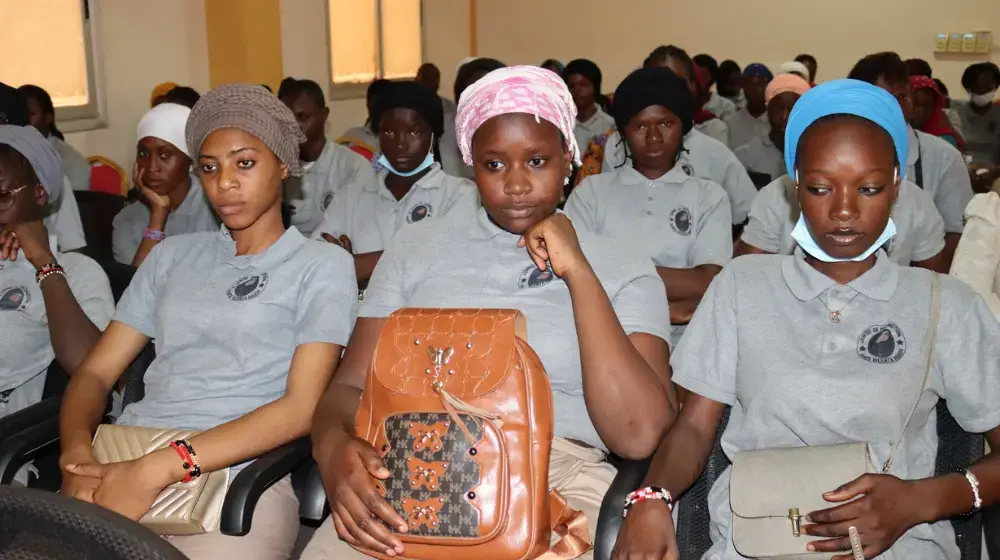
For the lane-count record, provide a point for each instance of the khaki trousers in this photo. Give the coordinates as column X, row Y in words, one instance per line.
column 578, row 473
column 272, row 534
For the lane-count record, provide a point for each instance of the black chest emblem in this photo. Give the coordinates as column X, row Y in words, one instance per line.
column 419, row 212
column 533, row 277
column 882, row 344
column 247, row 287
column 680, row 220
column 14, row 298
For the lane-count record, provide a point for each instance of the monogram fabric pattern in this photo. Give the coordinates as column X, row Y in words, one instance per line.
column 433, row 473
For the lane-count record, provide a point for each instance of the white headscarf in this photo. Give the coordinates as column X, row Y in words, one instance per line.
column 794, row 67
column 167, row 122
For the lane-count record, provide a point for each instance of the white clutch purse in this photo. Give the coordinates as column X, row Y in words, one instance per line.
column 182, row 508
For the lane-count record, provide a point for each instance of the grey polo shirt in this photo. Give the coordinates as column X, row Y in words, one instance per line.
column 677, row 220
column 466, row 261
column 716, row 129
column 744, row 127
column 760, row 155
column 192, row 216
column 706, row 158
column 942, row 174
column 370, row 215
column 981, row 132
column 25, row 344
column 919, row 227
column 324, row 179
column 585, row 131
column 64, row 221
column 762, row 342
column 75, row 167
column 226, row 326
column 722, row 107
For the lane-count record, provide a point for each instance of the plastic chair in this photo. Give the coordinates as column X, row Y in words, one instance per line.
column 97, row 213
column 107, row 176
column 956, row 449
column 35, row 524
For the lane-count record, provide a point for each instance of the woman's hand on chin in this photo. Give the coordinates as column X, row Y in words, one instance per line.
column 553, row 244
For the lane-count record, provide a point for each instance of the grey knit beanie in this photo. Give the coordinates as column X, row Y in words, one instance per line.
column 252, row 109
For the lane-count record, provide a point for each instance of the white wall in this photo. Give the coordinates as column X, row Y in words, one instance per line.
column 142, row 43
column 617, row 35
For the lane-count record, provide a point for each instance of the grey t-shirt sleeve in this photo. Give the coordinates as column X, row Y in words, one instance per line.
column 641, row 304
column 740, row 189
column 91, row 287
column 125, row 236
column 706, row 358
column 714, row 243
column 581, row 207
column 385, row 292
column 954, row 192
column 768, row 216
column 968, row 359
column 137, row 306
column 328, row 298
column 928, row 234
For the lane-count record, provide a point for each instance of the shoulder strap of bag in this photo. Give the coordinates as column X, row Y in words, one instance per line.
column 932, row 327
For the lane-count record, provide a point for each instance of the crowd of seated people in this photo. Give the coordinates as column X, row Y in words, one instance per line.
column 708, row 240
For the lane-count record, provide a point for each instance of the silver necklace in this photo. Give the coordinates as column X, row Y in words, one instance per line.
column 835, row 315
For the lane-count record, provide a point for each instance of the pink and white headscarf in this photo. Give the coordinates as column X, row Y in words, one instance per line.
column 516, row 89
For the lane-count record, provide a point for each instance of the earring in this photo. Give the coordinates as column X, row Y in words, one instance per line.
column 566, row 182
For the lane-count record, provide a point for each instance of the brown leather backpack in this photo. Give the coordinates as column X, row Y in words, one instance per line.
column 460, row 409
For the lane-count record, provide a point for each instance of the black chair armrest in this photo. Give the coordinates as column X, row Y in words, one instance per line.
column 254, row 479
column 309, row 489
column 29, row 416
column 21, row 447
column 629, row 478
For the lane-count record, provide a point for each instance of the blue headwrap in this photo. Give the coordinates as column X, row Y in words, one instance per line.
column 847, row 97
column 757, row 70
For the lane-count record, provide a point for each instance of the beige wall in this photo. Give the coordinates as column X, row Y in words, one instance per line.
column 142, row 43
column 305, row 49
column 619, row 34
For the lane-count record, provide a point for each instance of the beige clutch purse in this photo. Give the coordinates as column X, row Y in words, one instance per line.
column 182, row 508
column 772, row 490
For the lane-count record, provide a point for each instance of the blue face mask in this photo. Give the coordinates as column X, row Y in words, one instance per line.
column 804, row 238
column 424, row 165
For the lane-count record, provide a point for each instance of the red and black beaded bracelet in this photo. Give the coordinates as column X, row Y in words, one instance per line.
column 647, row 493
column 187, row 454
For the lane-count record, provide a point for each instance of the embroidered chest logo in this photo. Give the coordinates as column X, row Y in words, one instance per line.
column 14, row 298
column 680, row 220
column 327, row 200
column 419, row 212
column 882, row 344
column 247, row 287
column 532, row 277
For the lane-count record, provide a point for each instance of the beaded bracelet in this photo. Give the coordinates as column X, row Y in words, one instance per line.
column 647, row 493
column 977, row 500
column 187, row 454
column 48, row 270
column 154, row 234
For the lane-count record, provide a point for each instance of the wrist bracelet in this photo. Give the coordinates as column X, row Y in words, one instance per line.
column 189, row 458
column 154, row 234
column 648, row 493
column 977, row 500
column 48, row 270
